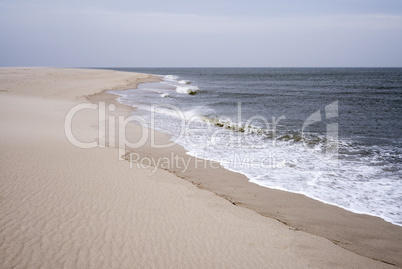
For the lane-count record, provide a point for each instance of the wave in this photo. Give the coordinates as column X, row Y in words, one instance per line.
column 184, row 82
column 187, row 89
column 162, row 94
column 234, row 126
column 170, row 77
column 182, row 86
column 310, row 140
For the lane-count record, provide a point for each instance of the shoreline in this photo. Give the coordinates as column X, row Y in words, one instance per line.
column 355, row 211
column 85, row 208
column 348, row 229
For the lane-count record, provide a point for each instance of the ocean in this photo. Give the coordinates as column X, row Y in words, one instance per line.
column 332, row 134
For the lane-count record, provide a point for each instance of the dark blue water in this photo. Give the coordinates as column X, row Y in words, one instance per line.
column 333, row 134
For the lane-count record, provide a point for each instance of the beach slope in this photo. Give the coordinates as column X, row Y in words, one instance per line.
column 62, row 206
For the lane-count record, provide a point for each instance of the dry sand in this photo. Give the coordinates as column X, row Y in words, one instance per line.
column 66, row 207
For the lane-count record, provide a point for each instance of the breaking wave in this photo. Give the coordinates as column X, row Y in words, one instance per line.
column 187, row 89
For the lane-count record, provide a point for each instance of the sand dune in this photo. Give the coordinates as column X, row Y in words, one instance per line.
column 66, row 207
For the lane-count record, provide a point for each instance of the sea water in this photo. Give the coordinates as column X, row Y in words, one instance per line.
column 332, row 134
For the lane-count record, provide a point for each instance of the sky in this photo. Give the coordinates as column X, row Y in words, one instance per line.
column 207, row 33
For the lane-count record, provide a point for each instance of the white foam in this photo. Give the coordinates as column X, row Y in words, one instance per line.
column 174, row 81
column 170, row 78
column 184, row 82
column 187, row 89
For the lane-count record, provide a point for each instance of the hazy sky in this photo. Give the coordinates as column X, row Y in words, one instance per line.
column 205, row 33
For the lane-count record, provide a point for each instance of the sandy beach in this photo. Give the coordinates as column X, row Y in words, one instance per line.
column 63, row 206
